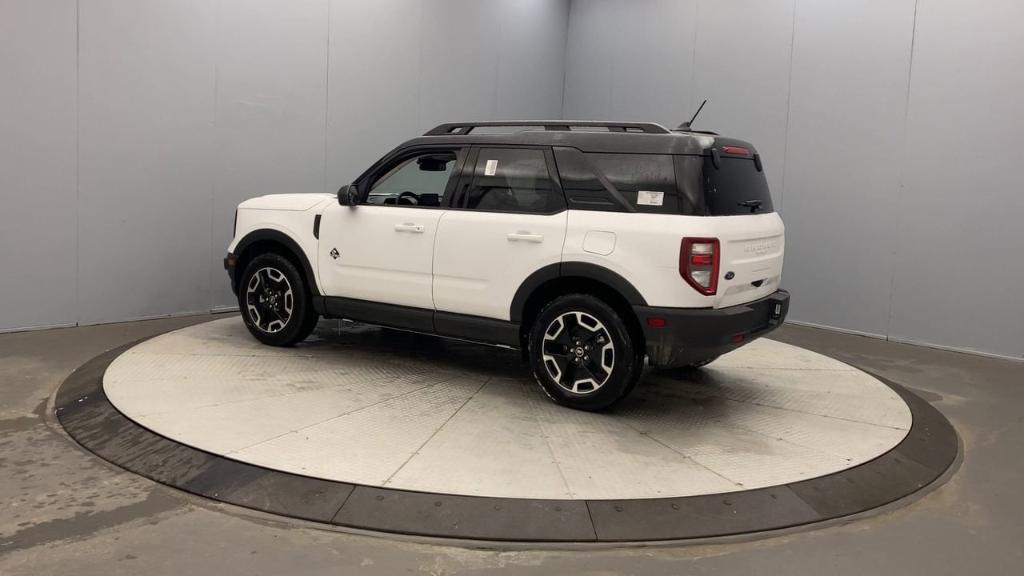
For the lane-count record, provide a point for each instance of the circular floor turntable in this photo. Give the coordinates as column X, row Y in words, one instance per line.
column 392, row 431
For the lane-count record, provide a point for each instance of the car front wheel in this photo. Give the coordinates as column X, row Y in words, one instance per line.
column 274, row 301
column 582, row 353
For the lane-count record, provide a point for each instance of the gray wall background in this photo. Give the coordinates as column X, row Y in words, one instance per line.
column 130, row 129
column 890, row 131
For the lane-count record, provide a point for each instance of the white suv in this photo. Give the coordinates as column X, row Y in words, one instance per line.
column 589, row 245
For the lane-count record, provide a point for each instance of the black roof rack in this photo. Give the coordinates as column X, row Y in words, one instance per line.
column 461, row 128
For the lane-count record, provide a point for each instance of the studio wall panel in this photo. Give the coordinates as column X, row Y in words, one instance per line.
column 588, row 70
column 38, row 201
column 531, row 76
column 847, row 108
column 400, row 67
column 631, row 61
column 459, row 67
column 270, row 112
column 146, row 153
column 742, row 59
column 137, row 141
column 373, row 82
column 959, row 269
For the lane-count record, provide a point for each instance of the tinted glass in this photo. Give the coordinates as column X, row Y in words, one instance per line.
column 512, row 180
column 417, row 181
column 736, row 187
column 583, row 190
column 647, row 181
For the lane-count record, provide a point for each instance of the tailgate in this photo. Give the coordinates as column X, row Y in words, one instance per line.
column 750, row 265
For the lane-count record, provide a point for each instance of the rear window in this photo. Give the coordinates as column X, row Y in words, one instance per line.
column 662, row 183
column 735, row 187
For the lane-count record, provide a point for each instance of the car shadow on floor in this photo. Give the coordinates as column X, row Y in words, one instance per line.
column 659, row 393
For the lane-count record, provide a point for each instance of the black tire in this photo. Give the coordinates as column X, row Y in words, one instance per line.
column 569, row 354
column 275, row 302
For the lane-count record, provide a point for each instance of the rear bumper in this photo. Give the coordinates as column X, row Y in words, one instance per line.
column 692, row 335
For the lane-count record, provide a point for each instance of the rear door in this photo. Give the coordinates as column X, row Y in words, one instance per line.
column 507, row 220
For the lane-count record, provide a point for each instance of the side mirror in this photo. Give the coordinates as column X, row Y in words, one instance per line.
column 348, row 195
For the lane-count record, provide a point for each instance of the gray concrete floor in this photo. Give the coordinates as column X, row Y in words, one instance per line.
column 63, row 511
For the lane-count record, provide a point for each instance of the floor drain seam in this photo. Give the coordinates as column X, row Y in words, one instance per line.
column 342, row 415
column 785, row 441
column 684, row 455
column 812, row 413
column 334, row 517
column 435, row 432
column 256, row 399
column 540, row 426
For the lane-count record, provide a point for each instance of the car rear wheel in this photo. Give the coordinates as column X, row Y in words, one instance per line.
column 274, row 301
column 582, row 353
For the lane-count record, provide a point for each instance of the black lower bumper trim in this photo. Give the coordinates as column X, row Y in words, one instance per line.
column 677, row 337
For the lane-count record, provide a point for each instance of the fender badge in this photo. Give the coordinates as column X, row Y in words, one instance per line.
column 334, row 253
column 730, row 275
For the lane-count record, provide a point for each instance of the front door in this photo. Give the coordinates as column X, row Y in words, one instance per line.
column 508, row 221
column 382, row 250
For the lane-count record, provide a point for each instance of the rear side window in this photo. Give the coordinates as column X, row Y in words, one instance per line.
column 512, row 180
column 647, row 182
column 583, row 189
column 735, row 187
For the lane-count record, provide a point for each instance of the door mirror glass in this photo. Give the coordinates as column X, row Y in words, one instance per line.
column 348, row 195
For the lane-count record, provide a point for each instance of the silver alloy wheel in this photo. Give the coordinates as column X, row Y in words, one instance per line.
column 578, row 352
column 269, row 300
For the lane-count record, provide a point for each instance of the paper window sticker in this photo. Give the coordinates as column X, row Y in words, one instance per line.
column 650, row 198
column 491, row 168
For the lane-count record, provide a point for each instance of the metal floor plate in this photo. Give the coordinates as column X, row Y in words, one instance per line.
column 396, row 410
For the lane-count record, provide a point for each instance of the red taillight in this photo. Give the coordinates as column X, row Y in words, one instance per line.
column 701, row 260
column 698, row 264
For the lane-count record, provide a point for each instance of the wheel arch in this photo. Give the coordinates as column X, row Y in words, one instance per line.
column 270, row 240
column 568, row 277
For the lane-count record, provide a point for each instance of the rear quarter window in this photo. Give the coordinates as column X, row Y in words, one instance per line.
column 647, row 182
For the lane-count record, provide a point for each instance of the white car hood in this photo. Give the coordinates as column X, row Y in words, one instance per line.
column 285, row 201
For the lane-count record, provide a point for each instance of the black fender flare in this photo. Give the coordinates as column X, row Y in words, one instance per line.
column 269, row 234
column 572, row 270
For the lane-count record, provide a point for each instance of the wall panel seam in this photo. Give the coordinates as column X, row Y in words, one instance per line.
column 789, row 107
column 327, row 97
column 78, row 157
column 217, row 154
column 901, row 183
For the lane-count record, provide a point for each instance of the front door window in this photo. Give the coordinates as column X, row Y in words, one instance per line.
column 417, row 181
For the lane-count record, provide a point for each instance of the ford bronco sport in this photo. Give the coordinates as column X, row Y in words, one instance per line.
column 589, row 245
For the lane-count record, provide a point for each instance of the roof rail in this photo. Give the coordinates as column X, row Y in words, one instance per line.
column 462, row 128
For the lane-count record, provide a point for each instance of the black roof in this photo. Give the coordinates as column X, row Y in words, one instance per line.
column 614, row 137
